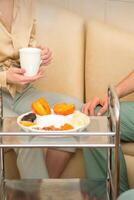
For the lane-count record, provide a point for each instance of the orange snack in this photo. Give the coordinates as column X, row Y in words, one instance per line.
column 41, row 107
column 27, row 123
column 64, row 108
column 67, row 127
column 64, row 127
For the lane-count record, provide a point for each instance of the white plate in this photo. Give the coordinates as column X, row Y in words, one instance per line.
column 78, row 120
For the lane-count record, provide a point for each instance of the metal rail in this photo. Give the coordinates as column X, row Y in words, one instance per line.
column 114, row 119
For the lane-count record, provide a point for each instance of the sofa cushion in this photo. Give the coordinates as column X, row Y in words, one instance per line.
column 130, row 169
column 109, row 57
column 11, row 170
column 128, row 148
column 63, row 32
column 74, row 169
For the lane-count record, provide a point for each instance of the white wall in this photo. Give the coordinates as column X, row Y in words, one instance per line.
column 117, row 12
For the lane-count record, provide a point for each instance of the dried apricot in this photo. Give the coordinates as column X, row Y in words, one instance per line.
column 64, row 108
column 67, row 127
column 41, row 107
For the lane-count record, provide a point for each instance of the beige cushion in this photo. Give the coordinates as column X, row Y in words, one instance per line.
column 109, row 57
column 11, row 170
column 128, row 148
column 130, row 170
column 63, row 32
column 75, row 167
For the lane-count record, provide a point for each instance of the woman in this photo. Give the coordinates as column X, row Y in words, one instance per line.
column 17, row 30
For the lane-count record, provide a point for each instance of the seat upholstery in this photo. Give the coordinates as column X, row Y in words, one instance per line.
column 109, row 58
column 63, row 32
column 128, row 148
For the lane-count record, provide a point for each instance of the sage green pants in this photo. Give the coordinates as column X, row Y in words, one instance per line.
column 31, row 161
column 128, row 195
column 95, row 158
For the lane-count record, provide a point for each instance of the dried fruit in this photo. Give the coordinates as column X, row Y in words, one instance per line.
column 29, row 117
column 64, row 127
column 64, row 108
column 67, row 127
column 27, row 123
column 41, row 107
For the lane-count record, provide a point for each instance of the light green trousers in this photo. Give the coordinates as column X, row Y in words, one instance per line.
column 31, row 161
column 95, row 158
column 128, row 195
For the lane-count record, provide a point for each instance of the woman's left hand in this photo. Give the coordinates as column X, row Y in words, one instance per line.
column 46, row 55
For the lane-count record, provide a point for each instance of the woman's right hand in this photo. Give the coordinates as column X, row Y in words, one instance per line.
column 16, row 76
column 89, row 107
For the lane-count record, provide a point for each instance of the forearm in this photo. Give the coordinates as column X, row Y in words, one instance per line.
column 126, row 86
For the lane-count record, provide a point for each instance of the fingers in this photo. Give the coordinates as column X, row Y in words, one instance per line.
column 86, row 108
column 46, row 55
column 36, row 77
column 17, row 70
column 103, row 109
column 89, row 108
column 41, row 73
column 95, row 102
column 44, row 51
column 16, row 76
column 29, row 79
column 46, row 61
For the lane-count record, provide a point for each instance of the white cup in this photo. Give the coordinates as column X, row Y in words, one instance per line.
column 30, row 60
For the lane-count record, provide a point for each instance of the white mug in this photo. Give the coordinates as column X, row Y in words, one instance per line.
column 30, row 60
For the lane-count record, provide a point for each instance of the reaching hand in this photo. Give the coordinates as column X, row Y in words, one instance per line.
column 89, row 108
column 46, row 56
column 16, row 76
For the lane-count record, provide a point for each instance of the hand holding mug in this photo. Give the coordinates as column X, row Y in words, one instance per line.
column 46, row 56
column 32, row 58
column 17, row 76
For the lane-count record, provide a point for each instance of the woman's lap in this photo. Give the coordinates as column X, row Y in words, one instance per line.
column 31, row 162
column 22, row 103
column 8, row 106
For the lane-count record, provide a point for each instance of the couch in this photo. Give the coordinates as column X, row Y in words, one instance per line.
column 87, row 57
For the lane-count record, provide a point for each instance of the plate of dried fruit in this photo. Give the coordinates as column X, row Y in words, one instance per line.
column 61, row 118
column 31, row 122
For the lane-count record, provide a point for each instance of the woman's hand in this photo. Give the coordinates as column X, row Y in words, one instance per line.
column 16, row 76
column 46, row 55
column 89, row 108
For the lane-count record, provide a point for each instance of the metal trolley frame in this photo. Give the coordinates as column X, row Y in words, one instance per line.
column 112, row 147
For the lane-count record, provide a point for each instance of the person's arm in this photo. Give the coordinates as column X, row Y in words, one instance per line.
column 126, row 86
column 123, row 88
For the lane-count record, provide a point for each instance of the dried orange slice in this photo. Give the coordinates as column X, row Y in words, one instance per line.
column 41, row 107
column 27, row 123
column 67, row 127
column 64, row 108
